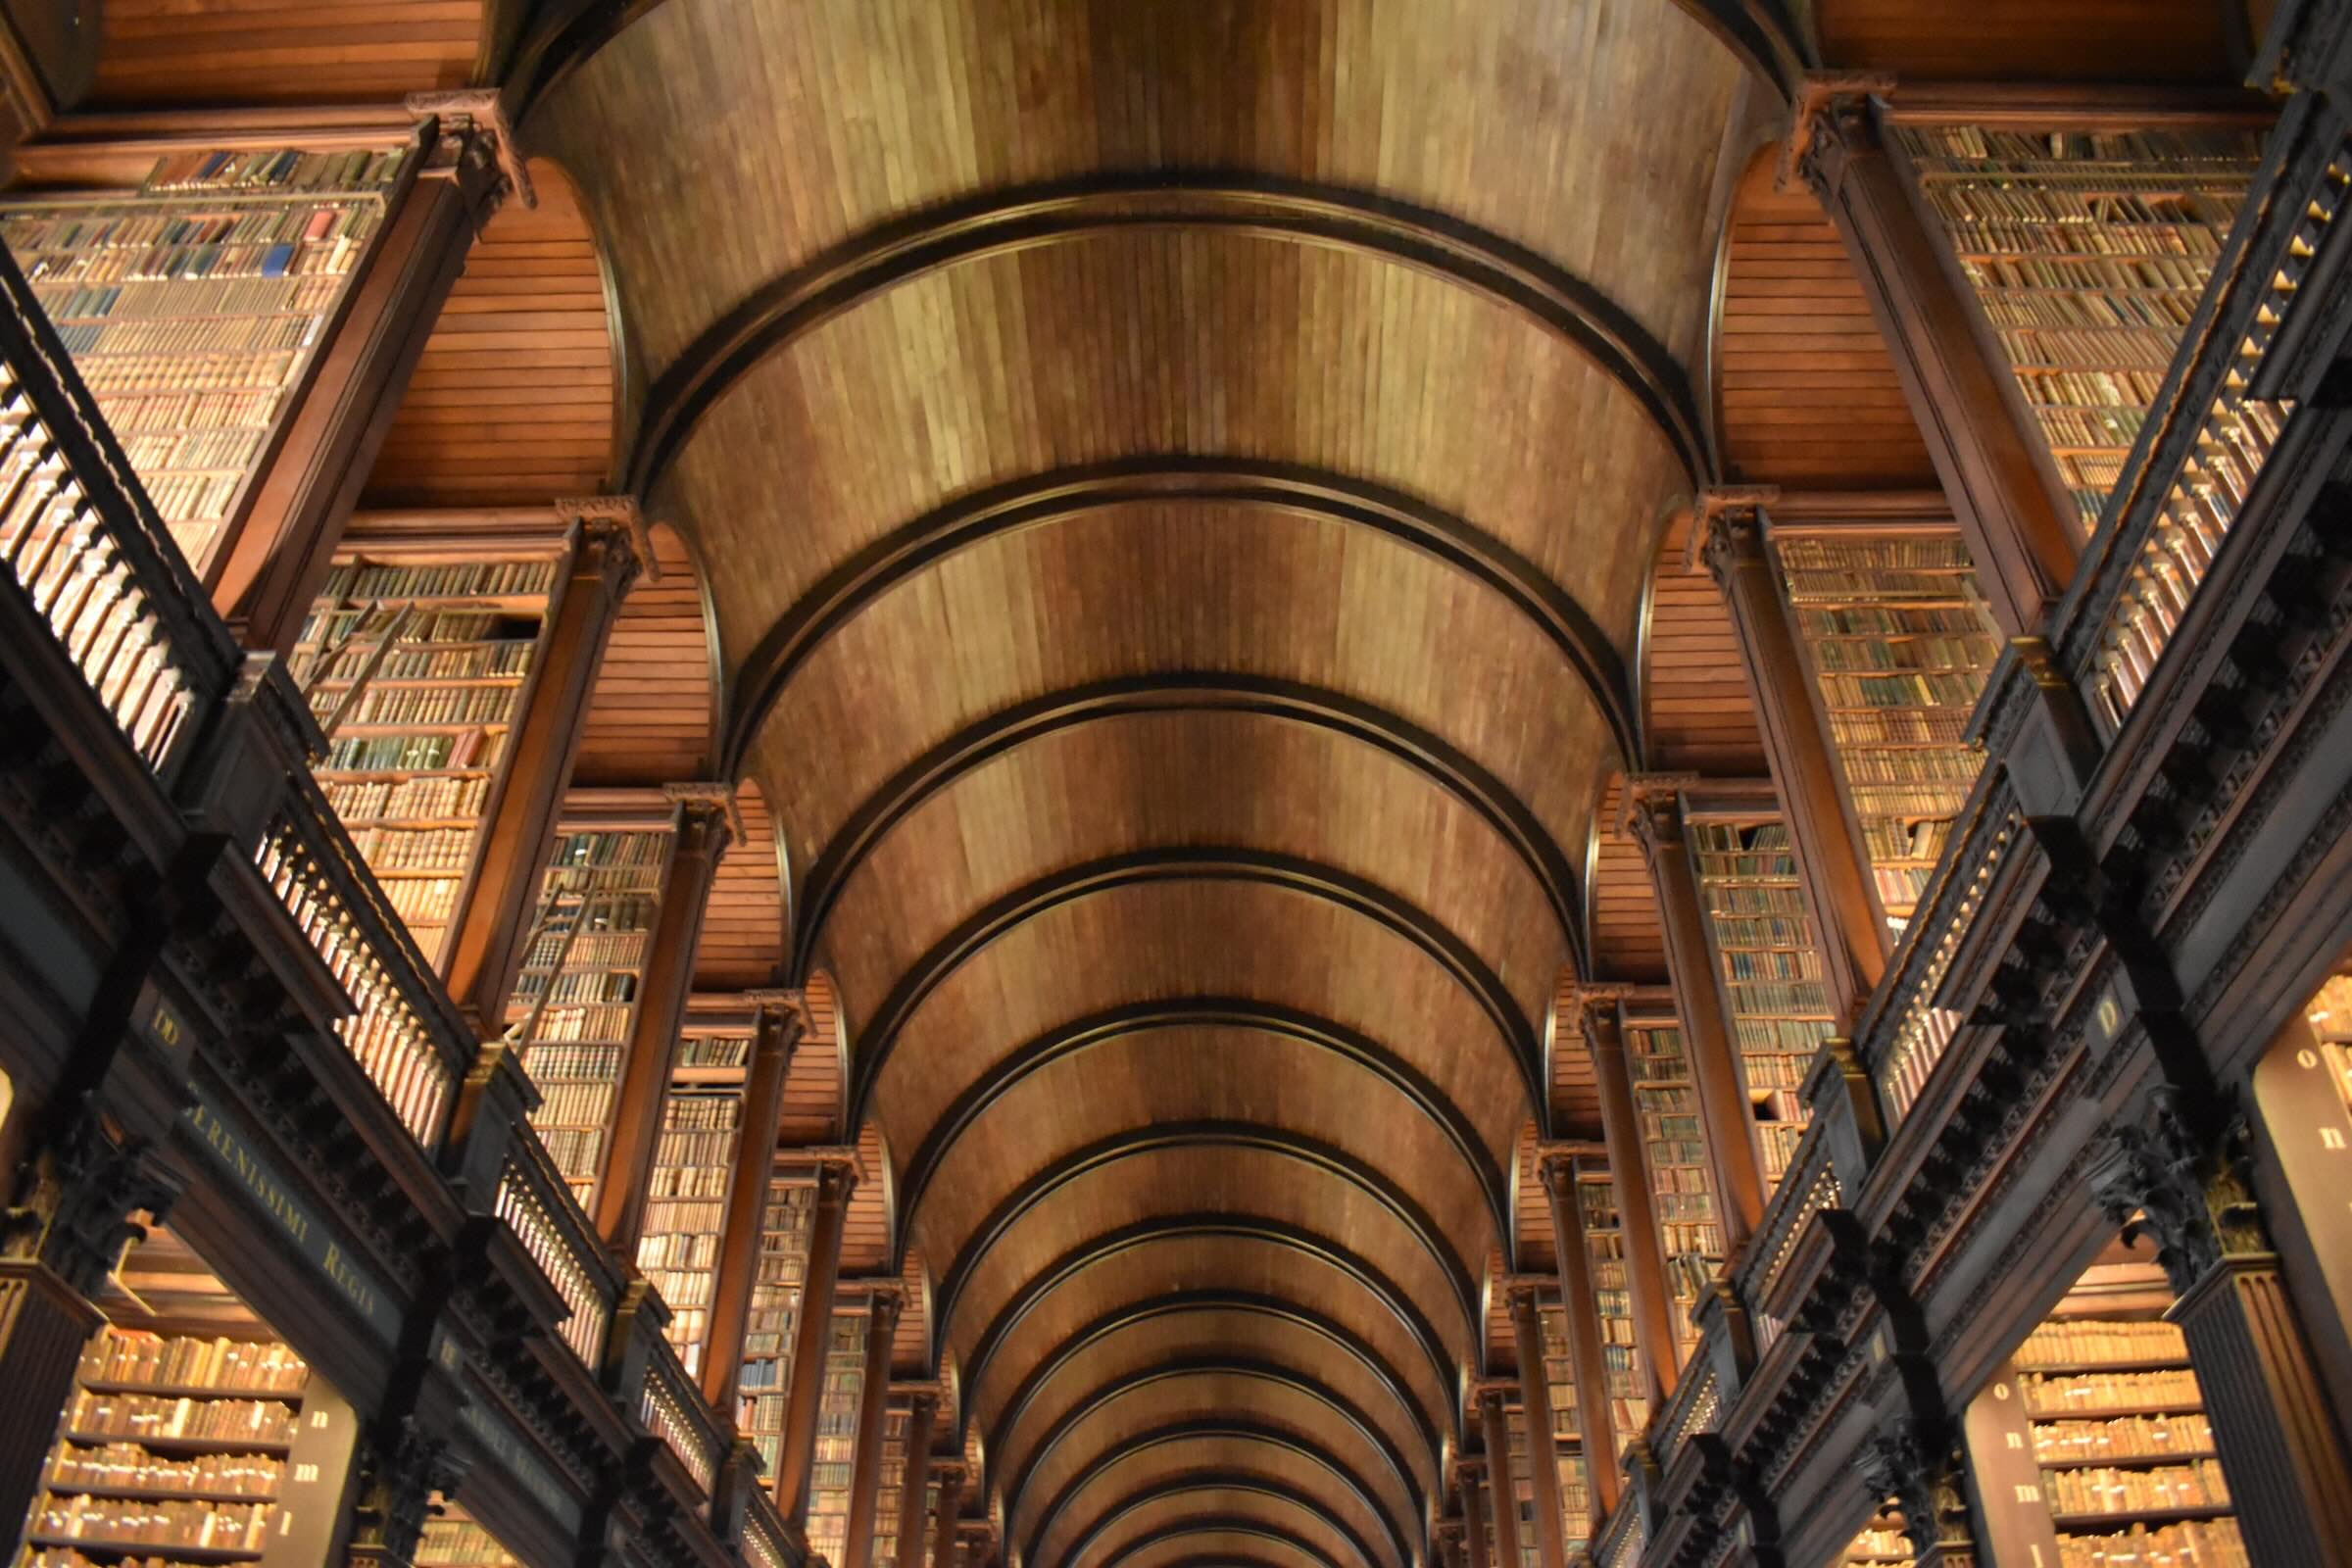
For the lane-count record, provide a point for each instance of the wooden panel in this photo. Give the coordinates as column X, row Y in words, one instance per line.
column 1531, row 1220
column 512, row 401
column 1806, row 395
column 743, row 927
column 649, row 718
column 232, row 52
column 812, row 1088
column 1628, row 942
column 865, row 1230
column 2056, row 40
column 1698, row 712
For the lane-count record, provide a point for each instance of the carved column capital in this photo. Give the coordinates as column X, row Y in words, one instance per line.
column 400, row 1470
column 708, row 817
column 1652, row 814
column 1829, row 116
column 617, row 525
column 2192, row 1191
column 886, row 1302
column 1727, row 526
column 473, row 122
column 1919, row 1465
column 75, row 1199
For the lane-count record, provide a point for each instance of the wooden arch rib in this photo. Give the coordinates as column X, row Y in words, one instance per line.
column 869, row 264
column 1225, row 1524
column 1193, row 1302
column 1066, row 494
column 1208, row 864
column 1142, row 1142
column 1244, row 1483
column 1119, row 1023
column 1181, row 691
column 1106, row 1249
column 1399, row 1532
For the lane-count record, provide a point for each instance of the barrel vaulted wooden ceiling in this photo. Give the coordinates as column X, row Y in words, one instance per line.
column 1176, row 484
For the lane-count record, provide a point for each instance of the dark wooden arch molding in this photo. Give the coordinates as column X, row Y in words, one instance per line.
column 1199, row 1430
column 1249, row 1483
column 1162, row 1136
column 1761, row 34
column 1219, row 1300
column 1060, row 495
column 1102, row 1251
column 1221, row 863
column 1185, row 692
column 1225, row 1524
column 1206, row 1012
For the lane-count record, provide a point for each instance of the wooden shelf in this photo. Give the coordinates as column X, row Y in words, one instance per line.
column 76, row 1489
column 93, row 1545
column 156, row 1445
column 2110, row 1522
column 2080, row 1369
column 193, row 1391
column 2129, row 1463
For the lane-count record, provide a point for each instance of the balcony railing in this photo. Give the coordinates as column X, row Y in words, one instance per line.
column 672, row 1410
column 539, row 1210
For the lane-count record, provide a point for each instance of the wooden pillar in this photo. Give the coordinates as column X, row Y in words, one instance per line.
column 975, row 1545
column 836, row 1180
column 947, row 1517
column 1543, row 1450
column 1502, row 1492
column 44, row 1322
column 914, row 1480
column 493, row 921
column 1653, row 806
column 1469, row 1478
column 1830, row 854
column 1447, row 1539
column 275, row 553
column 2014, row 1523
column 866, row 1466
column 1637, row 1213
column 1588, row 1356
column 706, row 824
column 2185, row 1176
column 2005, row 493
column 776, row 1032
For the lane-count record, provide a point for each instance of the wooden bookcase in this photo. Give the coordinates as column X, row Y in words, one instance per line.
column 195, row 304
column 835, row 1463
column 1767, row 958
column 1613, row 1300
column 686, row 1208
column 1675, row 1158
column 776, row 1298
column 1898, row 643
column 453, row 1539
column 1882, row 1544
column 575, row 998
column 2085, row 253
column 418, row 661
column 1567, row 1433
column 890, row 1491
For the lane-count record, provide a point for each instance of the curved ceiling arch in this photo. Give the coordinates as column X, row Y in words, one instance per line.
column 1123, row 1023
column 1197, row 1302
column 1400, row 1533
column 1186, row 691
column 1214, row 864
column 1104, row 1249
column 1230, row 1483
column 1225, row 1524
column 1144, row 1142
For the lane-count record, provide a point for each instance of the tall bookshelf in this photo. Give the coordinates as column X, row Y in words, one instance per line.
column 1613, row 1299
column 1901, row 643
column 1768, row 957
column 1675, row 1150
column 686, row 1210
column 832, row 1473
column 417, row 674
column 777, row 1291
column 195, row 305
column 1567, row 1432
column 175, row 1449
column 453, row 1540
column 575, row 998
column 2086, row 252
column 891, row 1491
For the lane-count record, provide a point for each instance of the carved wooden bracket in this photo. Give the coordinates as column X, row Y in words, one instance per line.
column 619, row 515
column 477, row 113
column 1819, row 116
column 2192, row 1192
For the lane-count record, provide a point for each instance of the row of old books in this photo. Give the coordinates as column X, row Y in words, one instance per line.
column 130, row 1356
column 685, row 1214
column 278, row 169
column 492, row 579
column 779, row 1275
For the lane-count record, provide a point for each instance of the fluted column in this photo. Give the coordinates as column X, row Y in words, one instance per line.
column 1543, row 1450
column 837, row 1179
column 489, row 929
column 1652, row 1300
column 776, row 1032
column 2005, row 493
column 950, row 1512
column 705, row 825
column 1502, row 1492
column 1830, row 854
column 1470, row 1479
column 1587, row 1354
column 865, row 1468
column 914, row 1481
column 1653, row 806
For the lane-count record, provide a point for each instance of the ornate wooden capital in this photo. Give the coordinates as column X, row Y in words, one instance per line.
column 615, row 525
column 1918, row 1464
column 475, row 119
column 75, row 1197
column 2191, row 1192
column 949, row 1472
column 708, row 812
column 1829, row 116
column 400, row 1470
column 1727, row 527
column 1652, row 812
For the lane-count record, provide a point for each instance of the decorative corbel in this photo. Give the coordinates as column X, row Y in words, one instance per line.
column 476, row 115
column 1828, row 109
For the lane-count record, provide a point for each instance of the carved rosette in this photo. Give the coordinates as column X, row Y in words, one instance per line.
column 2191, row 1193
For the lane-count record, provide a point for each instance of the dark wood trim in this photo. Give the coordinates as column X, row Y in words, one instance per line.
column 1162, row 1136
column 1760, row 34
column 1134, row 868
column 1216, row 1301
column 1401, row 1531
column 1172, row 691
column 873, row 263
column 1235, row 1012
column 1102, row 1249
column 1247, row 1481
column 1059, row 495
column 1225, row 1524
